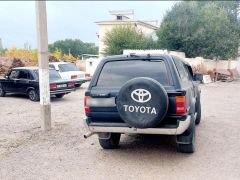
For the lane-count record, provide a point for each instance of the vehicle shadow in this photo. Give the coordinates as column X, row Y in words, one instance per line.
column 148, row 147
column 18, row 96
column 22, row 96
column 148, row 141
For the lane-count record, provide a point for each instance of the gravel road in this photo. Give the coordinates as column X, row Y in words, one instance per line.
column 63, row 153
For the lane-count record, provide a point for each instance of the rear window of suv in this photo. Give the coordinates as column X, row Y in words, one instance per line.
column 116, row 73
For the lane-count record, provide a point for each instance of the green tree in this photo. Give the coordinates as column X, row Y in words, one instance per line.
column 75, row 46
column 126, row 37
column 208, row 29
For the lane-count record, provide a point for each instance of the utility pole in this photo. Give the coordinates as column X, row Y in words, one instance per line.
column 238, row 55
column 42, row 38
column 238, row 16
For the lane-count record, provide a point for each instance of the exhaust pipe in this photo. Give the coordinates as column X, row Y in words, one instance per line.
column 88, row 135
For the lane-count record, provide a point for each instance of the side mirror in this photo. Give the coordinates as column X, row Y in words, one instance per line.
column 197, row 77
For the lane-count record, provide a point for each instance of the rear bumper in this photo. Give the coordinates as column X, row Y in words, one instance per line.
column 78, row 81
column 61, row 91
column 181, row 128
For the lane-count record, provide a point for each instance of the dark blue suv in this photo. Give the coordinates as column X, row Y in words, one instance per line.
column 145, row 94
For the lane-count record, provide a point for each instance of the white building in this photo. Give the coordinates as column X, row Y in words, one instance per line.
column 120, row 18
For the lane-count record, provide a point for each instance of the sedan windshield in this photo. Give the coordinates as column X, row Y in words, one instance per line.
column 67, row 67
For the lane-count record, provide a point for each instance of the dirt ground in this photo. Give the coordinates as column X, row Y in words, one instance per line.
column 28, row 153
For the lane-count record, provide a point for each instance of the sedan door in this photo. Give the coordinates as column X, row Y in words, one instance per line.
column 11, row 81
column 23, row 81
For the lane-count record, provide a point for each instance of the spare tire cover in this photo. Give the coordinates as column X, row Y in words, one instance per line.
column 142, row 102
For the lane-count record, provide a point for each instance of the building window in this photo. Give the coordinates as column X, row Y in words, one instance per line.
column 119, row 17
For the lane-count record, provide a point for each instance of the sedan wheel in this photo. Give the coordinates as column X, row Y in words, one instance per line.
column 59, row 95
column 33, row 96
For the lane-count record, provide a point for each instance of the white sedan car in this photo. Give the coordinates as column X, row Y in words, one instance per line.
column 69, row 71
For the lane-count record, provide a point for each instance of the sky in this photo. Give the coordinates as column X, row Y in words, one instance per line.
column 68, row 19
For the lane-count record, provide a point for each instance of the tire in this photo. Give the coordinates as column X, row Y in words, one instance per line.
column 59, row 95
column 111, row 142
column 199, row 112
column 33, row 95
column 2, row 92
column 189, row 137
column 142, row 102
column 78, row 85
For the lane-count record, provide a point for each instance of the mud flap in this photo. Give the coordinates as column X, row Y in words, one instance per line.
column 188, row 135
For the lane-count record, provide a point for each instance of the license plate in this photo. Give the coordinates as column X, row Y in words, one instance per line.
column 74, row 77
column 61, row 85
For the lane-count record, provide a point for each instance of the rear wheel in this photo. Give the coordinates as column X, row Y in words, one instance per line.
column 2, row 92
column 33, row 95
column 59, row 95
column 78, row 85
column 198, row 118
column 110, row 141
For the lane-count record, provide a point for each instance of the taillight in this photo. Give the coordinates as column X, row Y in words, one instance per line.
column 87, row 75
column 180, row 104
column 53, row 86
column 71, row 84
column 87, row 109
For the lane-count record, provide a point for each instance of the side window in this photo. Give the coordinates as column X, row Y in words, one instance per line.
column 181, row 69
column 190, row 78
column 30, row 76
column 14, row 74
column 51, row 66
column 23, row 75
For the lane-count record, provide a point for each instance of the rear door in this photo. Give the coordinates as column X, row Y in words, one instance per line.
column 11, row 83
column 112, row 77
column 24, row 81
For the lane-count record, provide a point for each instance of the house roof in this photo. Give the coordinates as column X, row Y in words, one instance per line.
column 127, row 22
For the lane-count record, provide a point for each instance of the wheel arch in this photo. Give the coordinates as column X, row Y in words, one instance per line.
column 30, row 88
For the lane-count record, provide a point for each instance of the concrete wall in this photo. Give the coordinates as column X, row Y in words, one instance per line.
column 238, row 64
column 81, row 65
column 198, row 63
column 88, row 65
column 210, row 65
column 91, row 65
